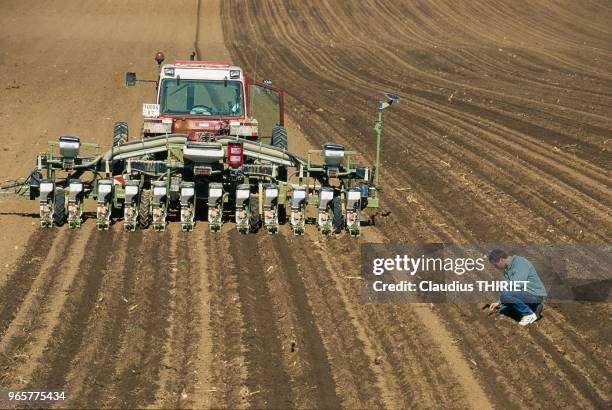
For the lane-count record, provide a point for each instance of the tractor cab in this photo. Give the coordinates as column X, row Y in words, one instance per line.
column 211, row 98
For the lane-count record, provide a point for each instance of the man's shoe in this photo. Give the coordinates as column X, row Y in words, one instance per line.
column 527, row 319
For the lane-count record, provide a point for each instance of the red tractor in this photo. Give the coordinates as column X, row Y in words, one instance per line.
column 210, row 98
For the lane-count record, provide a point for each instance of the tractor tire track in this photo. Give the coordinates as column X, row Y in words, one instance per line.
column 559, row 334
column 502, row 361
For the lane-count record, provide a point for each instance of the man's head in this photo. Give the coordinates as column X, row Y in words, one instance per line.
column 499, row 259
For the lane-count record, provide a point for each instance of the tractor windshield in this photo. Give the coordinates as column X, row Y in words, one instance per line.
column 201, row 97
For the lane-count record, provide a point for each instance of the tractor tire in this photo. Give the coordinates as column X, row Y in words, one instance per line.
column 282, row 214
column 337, row 214
column 120, row 133
column 279, row 137
column 59, row 207
column 254, row 218
column 144, row 209
column 279, row 140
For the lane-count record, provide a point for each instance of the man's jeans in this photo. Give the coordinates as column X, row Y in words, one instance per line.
column 523, row 302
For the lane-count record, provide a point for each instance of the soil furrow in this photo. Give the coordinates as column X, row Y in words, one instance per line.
column 67, row 338
column 28, row 268
column 445, row 378
column 143, row 352
column 394, row 381
column 350, row 359
column 27, row 334
column 187, row 321
column 227, row 326
column 582, row 384
column 308, row 366
column 268, row 384
column 93, row 372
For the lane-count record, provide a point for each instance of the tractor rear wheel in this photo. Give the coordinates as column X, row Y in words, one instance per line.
column 279, row 140
column 337, row 214
column 120, row 133
column 144, row 209
column 279, row 137
column 59, row 207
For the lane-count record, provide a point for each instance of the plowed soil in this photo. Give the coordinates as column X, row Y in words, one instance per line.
column 502, row 135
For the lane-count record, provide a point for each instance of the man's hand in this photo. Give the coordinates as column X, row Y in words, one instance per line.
column 494, row 306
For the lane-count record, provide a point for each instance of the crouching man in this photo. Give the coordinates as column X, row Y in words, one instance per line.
column 516, row 268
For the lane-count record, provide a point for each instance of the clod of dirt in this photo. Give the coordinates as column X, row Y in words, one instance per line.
column 378, row 360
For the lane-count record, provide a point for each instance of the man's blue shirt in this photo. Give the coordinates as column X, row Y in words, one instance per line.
column 522, row 270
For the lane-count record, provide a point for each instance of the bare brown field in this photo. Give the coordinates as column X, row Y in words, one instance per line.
column 502, row 135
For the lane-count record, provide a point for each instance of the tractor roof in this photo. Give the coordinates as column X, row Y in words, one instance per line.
column 207, row 70
column 206, row 63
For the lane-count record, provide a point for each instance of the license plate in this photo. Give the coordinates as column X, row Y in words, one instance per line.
column 150, row 110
